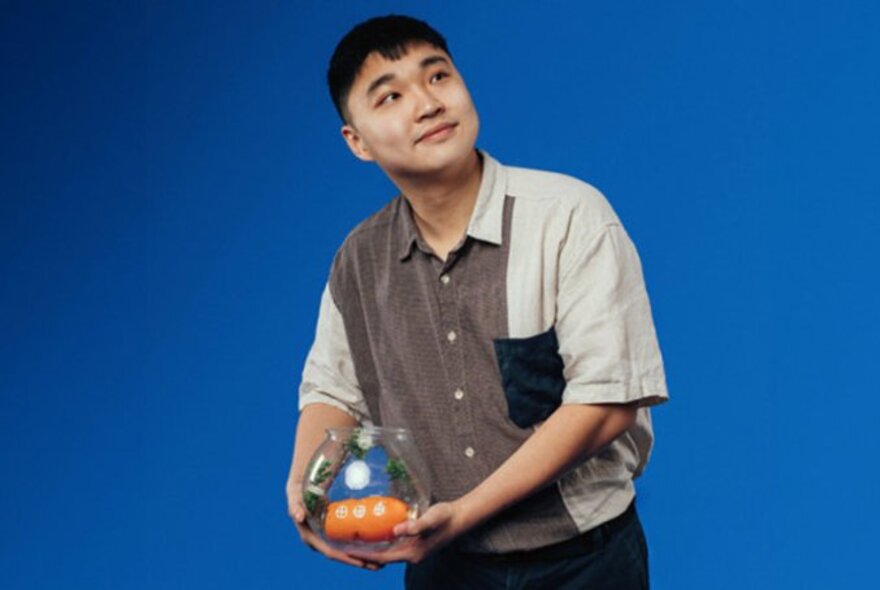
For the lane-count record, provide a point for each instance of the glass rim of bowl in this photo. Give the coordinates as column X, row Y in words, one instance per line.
column 370, row 429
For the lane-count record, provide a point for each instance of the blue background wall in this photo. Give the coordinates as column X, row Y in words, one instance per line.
column 174, row 186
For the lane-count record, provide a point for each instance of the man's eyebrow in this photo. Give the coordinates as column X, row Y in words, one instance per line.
column 385, row 78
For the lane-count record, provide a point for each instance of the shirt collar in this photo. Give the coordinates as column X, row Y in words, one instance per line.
column 487, row 219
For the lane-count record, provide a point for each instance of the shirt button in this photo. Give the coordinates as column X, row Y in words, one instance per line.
column 444, row 279
column 469, row 452
column 451, row 336
column 458, row 394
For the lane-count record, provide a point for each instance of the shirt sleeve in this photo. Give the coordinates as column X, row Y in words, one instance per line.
column 329, row 376
column 607, row 339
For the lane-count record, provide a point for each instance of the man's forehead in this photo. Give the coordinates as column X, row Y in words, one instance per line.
column 377, row 64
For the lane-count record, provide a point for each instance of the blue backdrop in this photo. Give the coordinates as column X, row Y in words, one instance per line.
column 174, row 186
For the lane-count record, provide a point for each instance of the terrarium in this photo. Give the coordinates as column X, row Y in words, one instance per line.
column 362, row 482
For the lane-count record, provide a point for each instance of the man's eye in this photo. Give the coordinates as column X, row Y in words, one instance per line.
column 443, row 74
column 385, row 98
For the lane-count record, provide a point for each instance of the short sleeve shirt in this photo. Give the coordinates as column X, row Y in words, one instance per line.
column 542, row 303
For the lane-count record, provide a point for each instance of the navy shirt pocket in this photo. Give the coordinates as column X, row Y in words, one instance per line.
column 531, row 375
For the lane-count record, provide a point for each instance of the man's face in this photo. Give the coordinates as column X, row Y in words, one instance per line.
column 395, row 105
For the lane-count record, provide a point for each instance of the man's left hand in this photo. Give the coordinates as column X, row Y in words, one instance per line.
column 439, row 525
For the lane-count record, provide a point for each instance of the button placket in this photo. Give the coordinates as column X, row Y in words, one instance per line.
column 453, row 354
column 451, row 336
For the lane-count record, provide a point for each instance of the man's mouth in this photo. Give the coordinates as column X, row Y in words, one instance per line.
column 437, row 131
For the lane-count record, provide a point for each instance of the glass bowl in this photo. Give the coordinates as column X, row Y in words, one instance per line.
column 360, row 483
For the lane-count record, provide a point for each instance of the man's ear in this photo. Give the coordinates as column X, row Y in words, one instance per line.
column 355, row 143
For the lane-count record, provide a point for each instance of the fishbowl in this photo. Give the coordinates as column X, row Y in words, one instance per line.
column 361, row 483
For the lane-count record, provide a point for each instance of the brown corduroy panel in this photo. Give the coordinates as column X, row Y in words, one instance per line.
column 421, row 336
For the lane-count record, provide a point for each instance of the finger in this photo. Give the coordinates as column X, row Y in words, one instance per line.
column 317, row 544
column 371, row 559
column 389, row 556
column 295, row 508
column 413, row 528
column 298, row 516
column 343, row 558
column 406, row 529
column 340, row 556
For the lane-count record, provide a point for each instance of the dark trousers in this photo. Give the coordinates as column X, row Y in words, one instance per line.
column 618, row 561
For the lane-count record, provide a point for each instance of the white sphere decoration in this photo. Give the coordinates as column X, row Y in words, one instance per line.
column 357, row 475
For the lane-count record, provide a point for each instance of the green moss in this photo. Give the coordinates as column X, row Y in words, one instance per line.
column 314, row 503
column 323, row 472
column 353, row 444
column 396, row 470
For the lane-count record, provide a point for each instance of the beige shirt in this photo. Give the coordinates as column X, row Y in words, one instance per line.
column 543, row 303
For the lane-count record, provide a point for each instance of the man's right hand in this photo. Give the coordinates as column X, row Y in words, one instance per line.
column 297, row 512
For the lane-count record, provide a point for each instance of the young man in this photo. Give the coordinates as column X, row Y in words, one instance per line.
column 500, row 314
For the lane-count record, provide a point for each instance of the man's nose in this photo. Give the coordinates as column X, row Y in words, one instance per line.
column 428, row 103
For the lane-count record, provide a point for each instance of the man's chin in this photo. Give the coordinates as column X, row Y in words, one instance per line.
column 445, row 160
column 434, row 166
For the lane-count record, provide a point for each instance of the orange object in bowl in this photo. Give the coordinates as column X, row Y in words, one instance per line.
column 369, row 519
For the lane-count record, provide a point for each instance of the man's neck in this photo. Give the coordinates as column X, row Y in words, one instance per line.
column 442, row 207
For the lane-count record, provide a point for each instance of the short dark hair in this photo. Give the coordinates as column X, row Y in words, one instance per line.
column 389, row 35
